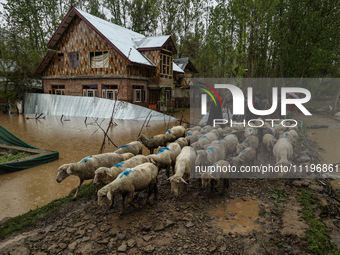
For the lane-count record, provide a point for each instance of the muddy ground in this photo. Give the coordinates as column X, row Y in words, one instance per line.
column 253, row 216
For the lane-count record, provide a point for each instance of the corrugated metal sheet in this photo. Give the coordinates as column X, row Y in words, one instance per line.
column 152, row 41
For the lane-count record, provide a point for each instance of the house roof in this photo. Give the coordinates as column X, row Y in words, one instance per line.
column 126, row 42
column 184, row 63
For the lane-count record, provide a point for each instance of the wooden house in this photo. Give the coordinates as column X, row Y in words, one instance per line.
column 92, row 57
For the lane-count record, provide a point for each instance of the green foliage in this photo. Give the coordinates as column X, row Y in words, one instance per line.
column 20, row 155
column 278, row 195
column 32, row 217
column 317, row 237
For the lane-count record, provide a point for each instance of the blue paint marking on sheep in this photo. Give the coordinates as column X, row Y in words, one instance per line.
column 162, row 150
column 152, row 137
column 120, row 164
column 123, row 146
column 85, row 159
column 168, row 131
column 203, row 137
column 243, row 151
column 189, row 134
column 250, row 130
column 273, row 137
column 210, row 149
column 126, row 173
column 246, row 141
column 285, row 134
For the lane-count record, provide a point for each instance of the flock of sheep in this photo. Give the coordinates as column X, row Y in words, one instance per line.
column 126, row 170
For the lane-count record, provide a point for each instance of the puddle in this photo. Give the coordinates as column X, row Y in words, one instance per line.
column 238, row 216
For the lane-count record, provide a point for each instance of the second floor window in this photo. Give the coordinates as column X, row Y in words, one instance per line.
column 99, row 59
column 74, row 59
column 166, row 66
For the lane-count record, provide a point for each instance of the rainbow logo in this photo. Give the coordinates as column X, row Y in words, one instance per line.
column 209, row 93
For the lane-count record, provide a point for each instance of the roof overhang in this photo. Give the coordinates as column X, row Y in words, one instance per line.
column 169, row 40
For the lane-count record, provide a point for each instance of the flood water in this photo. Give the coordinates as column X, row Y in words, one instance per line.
column 329, row 140
column 74, row 140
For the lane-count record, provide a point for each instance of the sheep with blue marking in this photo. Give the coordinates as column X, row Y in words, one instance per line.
column 134, row 147
column 230, row 142
column 173, row 133
column 174, row 149
column 182, row 169
column 139, row 178
column 250, row 141
column 162, row 159
column 206, row 129
column 207, row 138
column 152, row 142
column 106, row 175
column 250, row 131
column 86, row 167
column 193, row 136
column 211, row 155
column 292, row 136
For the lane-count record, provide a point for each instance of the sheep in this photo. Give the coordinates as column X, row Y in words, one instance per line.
column 237, row 127
column 182, row 142
column 174, row 149
column 175, row 132
column 291, row 136
column 86, row 167
column 196, row 128
column 162, row 159
column 196, row 146
column 141, row 177
column 207, row 138
column 193, row 136
column 230, row 142
column 152, row 142
column 106, row 175
column 214, row 178
column 134, row 147
column 206, row 129
column 269, row 141
column 247, row 156
column 224, row 131
column 182, row 169
column 210, row 155
column 251, row 141
column 250, row 131
column 283, row 152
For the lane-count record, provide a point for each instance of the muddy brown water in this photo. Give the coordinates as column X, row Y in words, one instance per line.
column 74, row 140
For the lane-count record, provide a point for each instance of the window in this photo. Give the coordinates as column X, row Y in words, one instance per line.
column 90, row 91
column 74, row 59
column 138, row 93
column 99, row 59
column 166, row 65
column 57, row 90
column 110, row 92
column 60, row 60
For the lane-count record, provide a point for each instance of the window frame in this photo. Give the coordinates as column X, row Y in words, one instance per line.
column 74, row 59
column 90, row 89
column 110, row 88
column 167, row 66
column 94, row 55
column 142, row 90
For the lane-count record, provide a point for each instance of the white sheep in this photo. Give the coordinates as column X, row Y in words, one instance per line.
column 141, row 177
column 247, row 156
column 134, row 147
column 230, row 142
column 106, row 175
column 193, row 136
column 162, row 159
column 211, row 155
column 214, row 178
column 292, row 136
column 173, row 133
column 86, row 167
column 207, row 138
column 250, row 131
column 250, row 141
column 182, row 142
column 268, row 142
column 206, row 129
column 283, row 152
column 182, row 169
column 196, row 128
column 152, row 142
column 174, row 149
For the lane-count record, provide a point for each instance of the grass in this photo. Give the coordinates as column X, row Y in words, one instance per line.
column 317, row 237
column 278, row 195
column 32, row 217
column 20, row 155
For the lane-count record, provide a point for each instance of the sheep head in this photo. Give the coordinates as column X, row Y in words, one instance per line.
column 240, row 147
column 141, row 138
column 101, row 175
column 175, row 181
column 201, row 158
column 206, row 178
column 64, row 171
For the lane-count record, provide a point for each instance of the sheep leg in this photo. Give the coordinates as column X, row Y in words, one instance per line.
column 130, row 198
column 149, row 192
column 123, row 205
column 78, row 188
column 155, row 191
column 168, row 171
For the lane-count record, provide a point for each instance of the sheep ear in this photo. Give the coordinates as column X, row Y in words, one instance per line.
column 183, row 180
column 109, row 195
column 68, row 170
column 109, row 173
